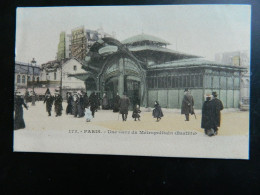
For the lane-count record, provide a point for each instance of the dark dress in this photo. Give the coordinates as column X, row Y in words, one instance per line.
column 157, row 111
column 86, row 100
column 49, row 101
column 187, row 104
column 93, row 100
column 218, row 106
column 18, row 113
column 80, row 106
column 58, row 105
column 69, row 106
column 123, row 105
column 74, row 105
column 208, row 118
column 116, row 103
column 136, row 112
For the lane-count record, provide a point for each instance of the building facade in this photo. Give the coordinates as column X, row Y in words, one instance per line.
column 78, row 42
column 144, row 68
column 26, row 75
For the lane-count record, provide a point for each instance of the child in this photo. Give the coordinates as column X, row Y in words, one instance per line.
column 88, row 114
column 136, row 112
column 157, row 111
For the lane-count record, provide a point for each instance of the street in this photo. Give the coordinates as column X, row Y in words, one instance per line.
column 45, row 133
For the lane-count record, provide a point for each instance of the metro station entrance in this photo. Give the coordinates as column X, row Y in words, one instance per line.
column 131, row 87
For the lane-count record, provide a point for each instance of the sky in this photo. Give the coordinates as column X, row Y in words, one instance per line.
column 202, row 30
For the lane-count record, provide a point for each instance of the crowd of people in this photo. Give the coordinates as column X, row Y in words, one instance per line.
column 80, row 105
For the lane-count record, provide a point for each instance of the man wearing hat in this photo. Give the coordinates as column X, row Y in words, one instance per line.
column 217, row 107
column 18, row 111
column 58, row 103
column 187, row 104
column 49, row 101
column 123, row 106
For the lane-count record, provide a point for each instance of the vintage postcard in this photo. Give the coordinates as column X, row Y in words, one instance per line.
column 164, row 80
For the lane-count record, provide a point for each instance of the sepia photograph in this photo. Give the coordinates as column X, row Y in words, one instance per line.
column 158, row 80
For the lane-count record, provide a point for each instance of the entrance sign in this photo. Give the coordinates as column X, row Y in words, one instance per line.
column 127, row 80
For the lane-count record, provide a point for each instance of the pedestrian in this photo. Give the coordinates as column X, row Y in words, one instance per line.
column 74, row 104
column 123, row 106
column 69, row 103
column 18, row 111
column 80, row 105
column 49, row 101
column 105, row 104
column 26, row 96
column 58, row 104
column 157, row 111
column 187, row 104
column 93, row 100
column 86, row 99
column 208, row 118
column 116, row 103
column 217, row 106
column 136, row 112
column 88, row 114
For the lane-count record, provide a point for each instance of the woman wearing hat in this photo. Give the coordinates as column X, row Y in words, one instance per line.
column 18, row 111
column 157, row 111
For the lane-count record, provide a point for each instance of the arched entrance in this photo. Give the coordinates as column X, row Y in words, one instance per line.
column 132, row 87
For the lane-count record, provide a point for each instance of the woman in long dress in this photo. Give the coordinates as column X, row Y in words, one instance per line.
column 157, row 111
column 18, row 112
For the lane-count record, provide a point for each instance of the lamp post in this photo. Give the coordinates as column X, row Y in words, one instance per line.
column 33, row 62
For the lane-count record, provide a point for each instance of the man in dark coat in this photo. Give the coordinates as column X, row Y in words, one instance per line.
column 217, row 106
column 58, row 104
column 208, row 117
column 86, row 100
column 187, row 104
column 116, row 103
column 93, row 100
column 69, row 103
column 123, row 106
column 18, row 111
column 49, row 101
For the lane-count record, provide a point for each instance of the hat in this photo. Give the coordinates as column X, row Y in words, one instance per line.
column 186, row 90
column 214, row 93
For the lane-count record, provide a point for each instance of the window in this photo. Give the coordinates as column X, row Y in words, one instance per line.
column 74, row 68
column 55, row 76
column 18, row 78
column 28, row 78
column 23, row 79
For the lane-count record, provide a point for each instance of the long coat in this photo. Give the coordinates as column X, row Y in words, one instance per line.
column 157, row 111
column 123, row 105
column 80, row 106
column 49, row 102
column 187, row 104
column 58, row 104
column 218, row 106
column 86, row 100
column 18, row 113
column 93, row 100
column 75, row 100
column 69, row 105
column 208, row 117
column 116, row 103
column 136, row 112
